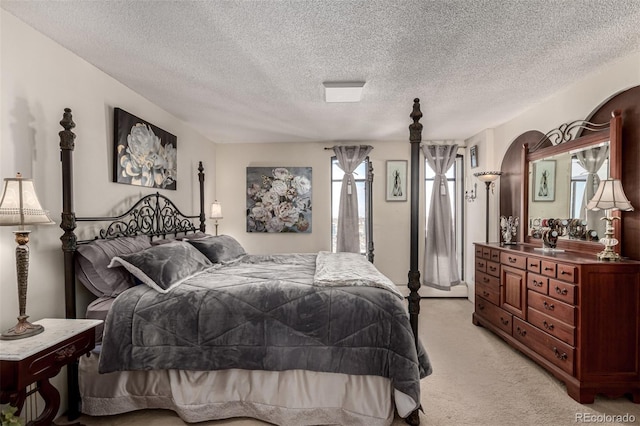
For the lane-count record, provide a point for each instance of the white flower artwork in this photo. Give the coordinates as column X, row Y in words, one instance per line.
column 145, row 155
column 279, row 199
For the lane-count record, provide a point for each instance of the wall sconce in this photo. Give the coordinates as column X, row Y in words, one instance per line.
column 19, row 206
column 470, row 196
column 609, row 196
column 216, row 213
column 489, row 179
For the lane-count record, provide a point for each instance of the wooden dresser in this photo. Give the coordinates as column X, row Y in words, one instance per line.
column 575, row 316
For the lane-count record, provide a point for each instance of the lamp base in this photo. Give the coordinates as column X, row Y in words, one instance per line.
column 22, row 329
column 608, row 254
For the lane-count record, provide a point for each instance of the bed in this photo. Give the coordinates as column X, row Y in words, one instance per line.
column 196, row 325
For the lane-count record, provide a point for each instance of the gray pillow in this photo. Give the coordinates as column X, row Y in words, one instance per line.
column 219, row 249
column 165, row 266
column 92, row 262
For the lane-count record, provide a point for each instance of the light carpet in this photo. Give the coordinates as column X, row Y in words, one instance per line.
column 478, row 380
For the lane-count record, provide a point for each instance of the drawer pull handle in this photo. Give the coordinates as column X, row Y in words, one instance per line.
column 492, row 268
column 480, row 306
column 548, row 306
column 537, row 283
column 485, row 279
column 562, row 356
column 504, row 321
column 562, row 291
column 521, row 331
column 485, row 293
column 548, row 326
column 546, row 268
column 65, row 353
column 565, row 273
column 533, row 265
column 512, row 259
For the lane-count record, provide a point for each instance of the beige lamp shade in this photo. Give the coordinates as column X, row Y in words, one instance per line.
column 216, row 210
column 487, row 176
column 610, row 195
column 19, row 204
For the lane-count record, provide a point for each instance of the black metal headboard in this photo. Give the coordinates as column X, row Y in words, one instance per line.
column 154, row 215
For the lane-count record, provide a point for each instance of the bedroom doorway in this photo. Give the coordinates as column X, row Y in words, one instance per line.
column 455, row 181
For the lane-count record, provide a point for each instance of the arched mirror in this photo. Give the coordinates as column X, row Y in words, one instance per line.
column 561, row 174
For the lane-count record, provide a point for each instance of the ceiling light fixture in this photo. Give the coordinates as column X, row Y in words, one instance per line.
column 343, row 91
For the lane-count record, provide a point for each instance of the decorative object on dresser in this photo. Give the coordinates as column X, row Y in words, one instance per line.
column 508, row 229
column 216, row 213
column 145, row 155
column 609, row 196
column 489, row 179
column 19, row 206
column 577, row 317
column 23, row 362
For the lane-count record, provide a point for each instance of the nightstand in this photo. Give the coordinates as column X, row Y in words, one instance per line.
column 39, row 358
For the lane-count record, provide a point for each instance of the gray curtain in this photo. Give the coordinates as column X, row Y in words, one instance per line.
column 348, row 232
column 440, row 263
column 591, row 160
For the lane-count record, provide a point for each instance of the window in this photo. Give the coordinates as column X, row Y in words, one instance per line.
column 360, row 176
column 456, row 195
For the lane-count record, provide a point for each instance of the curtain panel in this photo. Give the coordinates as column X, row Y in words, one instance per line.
column 348, row 232
column 440, row 262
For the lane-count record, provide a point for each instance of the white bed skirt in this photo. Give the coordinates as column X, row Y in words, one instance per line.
column 293, row 397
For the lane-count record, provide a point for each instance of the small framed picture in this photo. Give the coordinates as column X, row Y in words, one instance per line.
column 396, row 180
column 544, row 180
column 473, row 152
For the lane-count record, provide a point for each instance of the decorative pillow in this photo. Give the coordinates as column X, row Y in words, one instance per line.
column 92, row 262
column 165, row 266
column 219, row 249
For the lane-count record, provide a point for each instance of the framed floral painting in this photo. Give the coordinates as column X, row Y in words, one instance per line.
column 279, row 199
column 145, row 155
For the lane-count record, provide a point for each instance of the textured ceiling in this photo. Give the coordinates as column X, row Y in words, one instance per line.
column 252, row 71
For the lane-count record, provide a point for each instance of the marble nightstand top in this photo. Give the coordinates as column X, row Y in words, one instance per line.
column 56, row 330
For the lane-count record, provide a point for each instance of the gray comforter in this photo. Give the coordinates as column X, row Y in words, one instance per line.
column 269, row 313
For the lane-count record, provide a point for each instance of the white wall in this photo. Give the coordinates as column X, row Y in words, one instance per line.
column 575, row 102
column 39, row 79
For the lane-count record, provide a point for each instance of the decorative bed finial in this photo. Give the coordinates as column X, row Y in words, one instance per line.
column 67, row 136
column 415, row 129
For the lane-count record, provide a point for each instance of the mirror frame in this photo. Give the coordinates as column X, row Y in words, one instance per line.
column 613, row 134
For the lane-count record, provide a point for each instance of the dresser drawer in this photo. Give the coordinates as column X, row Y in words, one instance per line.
column 515, row 260
column 495, row 255
column 489, row 292
column 552, row 307
column 478, row 251
column 548, row 268
column 493, row 268
column 496, row 316
column 533, row 264
column 488, row 280
column 481, row 265
column 486, row 252
column 537, row 283
column 557, row 352
column 556, row 328
column 568, row 273
column 562, row 291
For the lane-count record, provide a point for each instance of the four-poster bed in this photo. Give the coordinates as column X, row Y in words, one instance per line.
column 363, row 356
